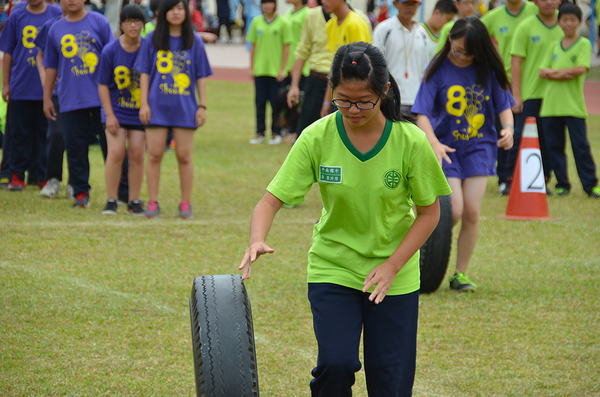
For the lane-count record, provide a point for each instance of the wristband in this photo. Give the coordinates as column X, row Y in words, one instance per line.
column 202, row 106
column 512, row 127
column 326, row 103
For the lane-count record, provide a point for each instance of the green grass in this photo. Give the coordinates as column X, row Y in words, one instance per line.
column 92, row 305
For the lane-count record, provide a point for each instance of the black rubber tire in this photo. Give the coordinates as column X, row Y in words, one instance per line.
column 223, row 338
column 435, row 253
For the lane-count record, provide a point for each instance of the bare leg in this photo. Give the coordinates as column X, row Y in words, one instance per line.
column 468, row 198
column 137, row 146
column 114, row 161
column 185, row 140
column 156, row 138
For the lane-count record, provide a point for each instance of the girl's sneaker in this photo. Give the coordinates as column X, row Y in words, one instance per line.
column 461, row 283
column 51, row 189
column 185, row 210
column 110, row 208
column 136, row 207
column 153, row 210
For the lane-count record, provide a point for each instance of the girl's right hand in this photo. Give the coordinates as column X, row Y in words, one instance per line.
column 441, row 151
column 145, row 114
column 252, row 254
column 49, row 111
column 112, row 125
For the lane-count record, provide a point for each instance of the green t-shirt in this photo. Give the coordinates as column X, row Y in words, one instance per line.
column 269, row 38
column 532, row 42
column 502, row 26
column 296, row 20
column 444, row 35
column 565, row 97
column 367, row 198
column 148, row 27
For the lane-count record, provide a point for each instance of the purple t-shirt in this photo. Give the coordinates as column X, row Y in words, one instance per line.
column 173, row 75
column 462, row 114
column 116, row 71
column 42, row 38
column 18, row 38
column 74, row 48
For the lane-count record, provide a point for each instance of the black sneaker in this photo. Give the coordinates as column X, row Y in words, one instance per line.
column 82, row 200
column 110, row 208
column 136, row 208
column 123, row 200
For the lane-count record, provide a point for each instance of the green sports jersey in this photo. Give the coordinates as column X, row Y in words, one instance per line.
column 148, row 27
column 502, row 26
column 296, row 20
column 367, row 198
column 565, row 97
column 532, row 42
column 444, row 35
column 269, row 39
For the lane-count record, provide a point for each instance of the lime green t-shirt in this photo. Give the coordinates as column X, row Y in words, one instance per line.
column 532, row 42
column 148, row 27
column 296, row 20
column 367, row 198
column 565, row 97
column 502, row 26
column 269, row 38
column 444, row 35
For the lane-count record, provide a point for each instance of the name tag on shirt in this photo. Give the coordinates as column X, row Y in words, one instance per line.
column 330, row 174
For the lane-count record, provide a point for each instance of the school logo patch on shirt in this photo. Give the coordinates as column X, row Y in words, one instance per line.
column 536, row 38
column 392, row 178
column 503, row 29
column 329, row 174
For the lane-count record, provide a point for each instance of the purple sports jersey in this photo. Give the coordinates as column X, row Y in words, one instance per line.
column 462, row 114
column 116, row 71
column 173, row 75
column 74, row 48
column 42, row 38
column 18, row 38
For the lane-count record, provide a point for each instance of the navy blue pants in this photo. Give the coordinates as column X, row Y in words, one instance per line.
column 28, row 147
column 531, row 108
column 554, row 128
column 390, row 341
column 314, row 91
column 78, row 134
column 5, row 171
column 266, row 90
column 55, row 145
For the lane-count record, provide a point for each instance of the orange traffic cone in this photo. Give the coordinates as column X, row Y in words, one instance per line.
column 527, row 199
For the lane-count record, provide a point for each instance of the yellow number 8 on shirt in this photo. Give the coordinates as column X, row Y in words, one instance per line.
column 453, row 98
column 122, row 77
column 69, row 46
column 164, row 61
column 29, row 34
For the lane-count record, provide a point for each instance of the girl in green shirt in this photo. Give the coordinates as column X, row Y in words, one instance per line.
column 371, row 166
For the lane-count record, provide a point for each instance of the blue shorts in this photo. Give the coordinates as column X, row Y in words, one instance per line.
column 480, row 160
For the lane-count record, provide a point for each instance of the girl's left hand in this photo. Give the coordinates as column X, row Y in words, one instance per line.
column 506, row 142
column 200, row 117
column 382, row 276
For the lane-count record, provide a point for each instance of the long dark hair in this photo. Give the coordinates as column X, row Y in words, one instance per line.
column 360, row 61
column 161, row 35
column 478, row 43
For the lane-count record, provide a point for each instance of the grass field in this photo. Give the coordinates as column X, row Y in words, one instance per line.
column 92, row 305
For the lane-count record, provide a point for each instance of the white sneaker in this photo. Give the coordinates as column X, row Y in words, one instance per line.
column 275, row 140
column 51, row 189
column 70, row 192
column 257, row 139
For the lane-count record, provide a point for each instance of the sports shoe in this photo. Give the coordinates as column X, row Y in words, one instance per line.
column 136, row 207
column 461, row 283
column 257, row 139
column 82, row 200
column 70, row 192
column 594, row 193
column 110, row 208
column 185, row 210
column 153, row 210
column 51, row 189
column 4, row 183
column 504, row 189
column 123, row 200
column 549, row 191
column 275, row 140
column 561, row 192
column 16, row 184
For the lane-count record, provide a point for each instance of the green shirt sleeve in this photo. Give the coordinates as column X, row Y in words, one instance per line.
column 519, row 45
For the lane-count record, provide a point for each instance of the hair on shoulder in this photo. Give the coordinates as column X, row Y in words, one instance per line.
column 161, row 37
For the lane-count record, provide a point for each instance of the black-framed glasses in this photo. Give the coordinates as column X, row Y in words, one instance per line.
column 462, row 54
column 132, row 22
column 364, row 105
